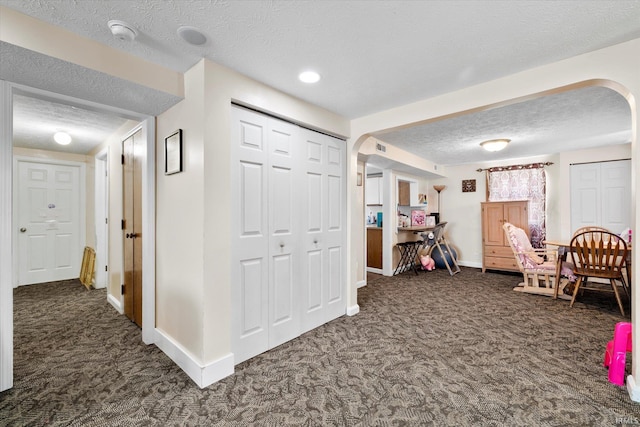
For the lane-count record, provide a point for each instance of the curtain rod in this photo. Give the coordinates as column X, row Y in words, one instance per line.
column 528, row 166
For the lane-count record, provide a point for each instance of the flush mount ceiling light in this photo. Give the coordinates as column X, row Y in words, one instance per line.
column 62, row 138
column 495, row 144
column 122, row 31
column 309, row 77
column 192, row 35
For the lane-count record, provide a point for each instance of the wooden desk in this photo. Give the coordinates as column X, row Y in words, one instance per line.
column 563, row 249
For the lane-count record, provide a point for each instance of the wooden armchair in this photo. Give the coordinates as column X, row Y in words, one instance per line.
column 538, row 266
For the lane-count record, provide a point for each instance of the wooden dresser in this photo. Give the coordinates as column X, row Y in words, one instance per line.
column 496, row 252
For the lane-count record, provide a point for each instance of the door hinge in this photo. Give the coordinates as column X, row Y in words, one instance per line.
column 122, row 224
column 122, row 289
column 106, row 220
column 106, row 268
column 122, row 159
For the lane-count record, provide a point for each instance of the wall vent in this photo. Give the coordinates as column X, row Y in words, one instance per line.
column 381, row 148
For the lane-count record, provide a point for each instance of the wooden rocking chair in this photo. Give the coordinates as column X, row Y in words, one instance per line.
column 538, row 266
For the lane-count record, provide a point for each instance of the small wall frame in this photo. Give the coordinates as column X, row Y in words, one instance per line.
column 173, row 153
column 468, row 185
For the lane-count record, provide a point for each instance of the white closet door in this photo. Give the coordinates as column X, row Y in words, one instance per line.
column 323, row 230
column 250, row 235
column 616, row 195
column 284, row 217
column 601, row 194
column 335, row 231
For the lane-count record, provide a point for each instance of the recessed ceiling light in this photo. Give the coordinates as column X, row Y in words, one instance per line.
column 122, row 31
column 192, row 35
column 62, row 138
column 309, row 77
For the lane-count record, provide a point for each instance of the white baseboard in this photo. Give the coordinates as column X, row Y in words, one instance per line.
column 353, row 310
column 633, row 389
column 115, row 303
column 470, row 264
column 375, row 270
column 361, row 283
column 203, row 376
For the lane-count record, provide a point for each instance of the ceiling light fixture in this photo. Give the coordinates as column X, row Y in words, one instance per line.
column 495, row 144
column 192, row 35
column 62, row 138
column 309, row 77
column 122, row 31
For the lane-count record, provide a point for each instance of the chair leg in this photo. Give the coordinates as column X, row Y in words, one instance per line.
column 575, row 290
column 615, row 291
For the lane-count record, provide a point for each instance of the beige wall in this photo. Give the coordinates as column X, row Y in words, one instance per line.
column 193, row 286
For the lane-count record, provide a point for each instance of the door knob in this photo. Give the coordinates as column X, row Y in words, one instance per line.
column 126, row 236
column 22, row 230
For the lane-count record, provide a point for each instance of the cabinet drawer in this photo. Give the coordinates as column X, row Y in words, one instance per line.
column 498, row 263
column 498, row 251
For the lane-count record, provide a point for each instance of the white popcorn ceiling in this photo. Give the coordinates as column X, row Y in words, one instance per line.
column 371, row 55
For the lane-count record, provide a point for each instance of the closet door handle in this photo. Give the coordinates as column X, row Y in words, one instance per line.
column 282, row 244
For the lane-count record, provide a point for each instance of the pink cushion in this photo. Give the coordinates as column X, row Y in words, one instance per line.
column 522, row 244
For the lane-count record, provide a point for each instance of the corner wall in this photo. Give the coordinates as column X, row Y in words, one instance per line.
column 193, row 209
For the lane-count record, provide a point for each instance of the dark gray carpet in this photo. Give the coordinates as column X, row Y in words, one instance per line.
column 424, row 350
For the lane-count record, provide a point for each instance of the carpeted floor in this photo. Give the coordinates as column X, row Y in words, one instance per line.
column 424, row 350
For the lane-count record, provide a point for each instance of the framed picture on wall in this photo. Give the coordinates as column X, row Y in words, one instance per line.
column 430, row 221
column 173, row 153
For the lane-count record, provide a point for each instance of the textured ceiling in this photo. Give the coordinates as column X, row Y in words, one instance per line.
column 578, row 119
column 36, row 120
column 372, row 55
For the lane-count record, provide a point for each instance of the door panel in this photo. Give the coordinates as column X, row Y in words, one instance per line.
column 132, row 149
column 49, row 212
column 250, row 236
column 494, row 214
column 601, row 194
column 284, row 284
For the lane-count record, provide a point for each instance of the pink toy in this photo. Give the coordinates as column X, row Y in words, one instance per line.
column 427, row 262
column 616, row 354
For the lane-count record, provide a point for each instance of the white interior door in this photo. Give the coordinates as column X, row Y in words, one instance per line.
column 323, row 272
column 250, row 232
column 50, row 217
column 601, row 194
column 284, row 217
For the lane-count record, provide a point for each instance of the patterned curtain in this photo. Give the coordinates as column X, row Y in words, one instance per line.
column 522, row 182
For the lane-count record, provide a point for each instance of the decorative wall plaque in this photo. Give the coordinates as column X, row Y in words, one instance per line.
column 468, row 185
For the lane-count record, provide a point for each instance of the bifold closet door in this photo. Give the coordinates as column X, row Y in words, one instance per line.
column 265, row 270
column 323, row 270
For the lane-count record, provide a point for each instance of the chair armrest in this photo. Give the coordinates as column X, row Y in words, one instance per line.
column 549, row 255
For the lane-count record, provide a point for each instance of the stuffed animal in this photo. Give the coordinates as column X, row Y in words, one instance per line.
column 427, row 262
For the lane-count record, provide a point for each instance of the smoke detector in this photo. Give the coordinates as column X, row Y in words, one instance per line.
column 122, row 31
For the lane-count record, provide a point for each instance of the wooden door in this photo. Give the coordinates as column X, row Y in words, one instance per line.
column 492, row 221
column 132, row 149
column 517, row 214
column 49, row 218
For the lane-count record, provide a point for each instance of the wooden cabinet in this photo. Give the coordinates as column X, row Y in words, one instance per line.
column 373, row 190
column 496, row 252
column 408, row 193
column 374, row 247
